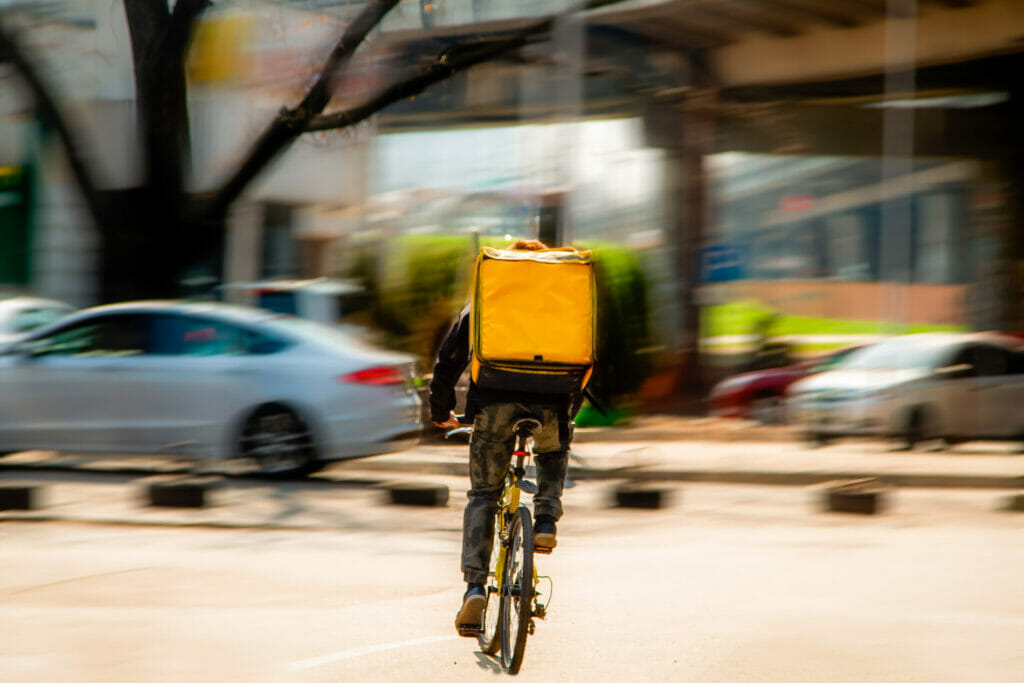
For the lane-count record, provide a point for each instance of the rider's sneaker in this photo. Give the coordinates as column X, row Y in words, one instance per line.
column 469, row 621
column 544, row 532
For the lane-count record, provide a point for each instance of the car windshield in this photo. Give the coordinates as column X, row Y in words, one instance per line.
column 901, row 353
column 31, row 318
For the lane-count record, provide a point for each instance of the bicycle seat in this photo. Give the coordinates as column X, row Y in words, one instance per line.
column 525, row 426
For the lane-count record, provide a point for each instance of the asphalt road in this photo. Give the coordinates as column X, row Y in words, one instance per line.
column 727, row 583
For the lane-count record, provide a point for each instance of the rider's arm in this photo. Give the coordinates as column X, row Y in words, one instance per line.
column 452, row 359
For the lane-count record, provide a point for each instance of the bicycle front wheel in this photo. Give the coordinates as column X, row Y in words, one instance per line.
column 489, row 639
column 517, row 591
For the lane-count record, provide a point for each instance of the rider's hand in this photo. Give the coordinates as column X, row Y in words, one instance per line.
column 451, row 423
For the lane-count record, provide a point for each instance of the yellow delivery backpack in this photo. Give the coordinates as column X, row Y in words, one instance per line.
column 533, row 320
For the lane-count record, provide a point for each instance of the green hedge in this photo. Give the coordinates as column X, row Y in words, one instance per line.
column 418, row 284
column 622, row 330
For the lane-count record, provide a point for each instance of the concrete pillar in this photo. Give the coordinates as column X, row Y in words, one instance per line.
column 1014, row 315
column 243, row 247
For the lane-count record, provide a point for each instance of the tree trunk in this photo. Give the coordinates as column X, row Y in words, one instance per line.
column 149, row 254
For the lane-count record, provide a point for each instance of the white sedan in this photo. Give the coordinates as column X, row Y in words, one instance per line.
column 206, row 380
column 920, row 387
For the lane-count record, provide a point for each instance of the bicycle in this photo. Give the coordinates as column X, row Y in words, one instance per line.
column 513, row 598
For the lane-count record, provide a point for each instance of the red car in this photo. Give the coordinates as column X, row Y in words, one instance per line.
column 759, row 395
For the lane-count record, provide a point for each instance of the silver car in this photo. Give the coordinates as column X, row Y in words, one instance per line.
column 206, row 380
column 919, row 387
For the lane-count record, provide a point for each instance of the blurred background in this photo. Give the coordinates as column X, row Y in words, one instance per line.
column 763, row 181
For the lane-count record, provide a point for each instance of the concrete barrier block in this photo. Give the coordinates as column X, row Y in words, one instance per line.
column 641, row 495
column 866, row 496
column 181, row 491
column 1012, row 503
column 19, row 496
column 418, row 494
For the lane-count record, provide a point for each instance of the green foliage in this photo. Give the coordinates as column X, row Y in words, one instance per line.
column 417, row 284
column 743, row 318
column 622, row 330
column 590, row 417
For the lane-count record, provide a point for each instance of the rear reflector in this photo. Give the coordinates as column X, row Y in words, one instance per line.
column 377, row 376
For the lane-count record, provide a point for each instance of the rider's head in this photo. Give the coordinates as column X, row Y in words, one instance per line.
column 529, row 245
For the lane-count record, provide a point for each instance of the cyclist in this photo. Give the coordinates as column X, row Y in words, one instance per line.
column 492, row 413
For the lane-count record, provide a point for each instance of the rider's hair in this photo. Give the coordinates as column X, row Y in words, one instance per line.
column 529, row 245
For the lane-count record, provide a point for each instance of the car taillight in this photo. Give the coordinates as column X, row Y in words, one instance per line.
column 385, row 374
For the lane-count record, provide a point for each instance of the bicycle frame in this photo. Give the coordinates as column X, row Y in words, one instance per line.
column 511, row 514
column 509, row 502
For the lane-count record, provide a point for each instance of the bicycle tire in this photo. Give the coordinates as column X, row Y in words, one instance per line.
column 490, row 638
column 517, row 591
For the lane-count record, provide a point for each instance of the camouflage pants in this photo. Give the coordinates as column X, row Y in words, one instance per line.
column 490, row 452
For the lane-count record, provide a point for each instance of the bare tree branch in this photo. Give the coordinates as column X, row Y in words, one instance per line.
column 455, row 60
column 290, row 123
column 11, row 51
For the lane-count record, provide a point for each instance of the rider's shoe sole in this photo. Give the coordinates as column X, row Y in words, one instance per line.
column 469, row 621
column 544, row 543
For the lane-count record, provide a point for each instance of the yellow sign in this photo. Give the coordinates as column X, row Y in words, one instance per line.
column 220, row 49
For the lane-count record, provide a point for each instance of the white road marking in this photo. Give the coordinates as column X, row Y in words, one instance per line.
column 367, row 650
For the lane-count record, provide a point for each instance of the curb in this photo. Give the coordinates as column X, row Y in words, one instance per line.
column 739, row 431
column 694, row 433
column 633, row 472
column 759, row 477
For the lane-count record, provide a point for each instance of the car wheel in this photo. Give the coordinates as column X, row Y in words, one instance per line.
column 919, row 429
column 768, row 409
column 279, row 442
column 817, row 440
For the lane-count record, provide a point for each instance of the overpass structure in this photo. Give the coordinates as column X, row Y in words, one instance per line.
column 913, row 93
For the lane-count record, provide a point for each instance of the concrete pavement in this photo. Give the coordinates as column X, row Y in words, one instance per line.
column 666, row 448
column 760, row 456
column 353, row 494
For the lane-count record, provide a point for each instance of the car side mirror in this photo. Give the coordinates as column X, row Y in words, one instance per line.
column 958, row 371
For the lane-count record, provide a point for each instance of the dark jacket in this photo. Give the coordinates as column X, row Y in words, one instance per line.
column 452, row 359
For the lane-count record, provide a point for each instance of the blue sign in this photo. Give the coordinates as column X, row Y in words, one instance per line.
column 722, row 263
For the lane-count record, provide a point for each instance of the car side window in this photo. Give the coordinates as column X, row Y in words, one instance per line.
column 1017, row 362
column 260, row 344
column 108, row 336
column 965, row 356
column 991, row 361
column 186, row 335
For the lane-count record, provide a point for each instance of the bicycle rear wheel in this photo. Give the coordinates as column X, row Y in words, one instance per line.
column 517, row 591
column 489, row 639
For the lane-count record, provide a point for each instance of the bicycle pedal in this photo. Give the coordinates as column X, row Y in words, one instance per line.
column 527, row 486
column 471, row 631
column 541, row 550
